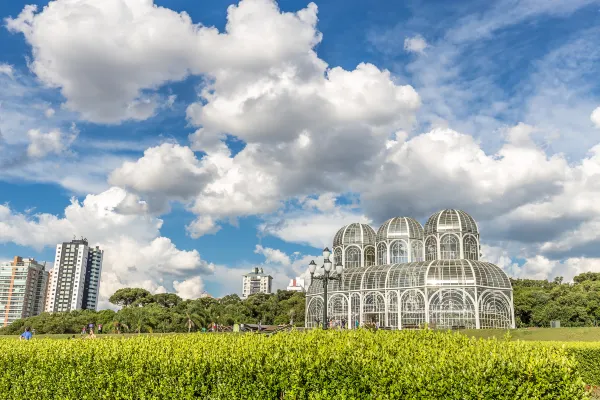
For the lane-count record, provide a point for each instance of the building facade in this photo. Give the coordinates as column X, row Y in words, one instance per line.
column 75, row 277
column 23, row 284
column 256, row 282
column 406, row 276
column 296, row 285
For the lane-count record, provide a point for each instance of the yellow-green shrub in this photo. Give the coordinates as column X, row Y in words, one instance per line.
column 312, row 365
column 586, row 356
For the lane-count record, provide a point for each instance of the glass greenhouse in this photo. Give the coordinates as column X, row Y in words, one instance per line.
column 404, row 277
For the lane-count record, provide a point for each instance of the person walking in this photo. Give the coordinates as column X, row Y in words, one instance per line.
column 27, row 335
column 99, row 329
column 84, row 330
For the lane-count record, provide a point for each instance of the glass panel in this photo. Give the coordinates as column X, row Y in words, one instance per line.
column 369, row 256
column 382, row 254
column 417, row 250
column 398, row 252
column 450, row 248
column 431, row 249
column 352, row 257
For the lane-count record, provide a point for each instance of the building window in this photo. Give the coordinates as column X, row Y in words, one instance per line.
column 352, row 257
column 398, row 252
column 369, row 256
column 431, row 249
column 470, row 246
column 382, row 254
column 450, row 248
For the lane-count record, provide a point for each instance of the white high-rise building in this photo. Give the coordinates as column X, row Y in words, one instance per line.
column 22, row 289
column 75, row 279
column 256, row 282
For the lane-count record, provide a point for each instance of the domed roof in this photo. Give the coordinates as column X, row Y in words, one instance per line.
column 361, row 234
column 400, row 227
column 450, row 221
column 431, row 274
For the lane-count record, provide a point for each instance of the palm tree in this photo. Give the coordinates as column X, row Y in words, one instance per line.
column 190, row 323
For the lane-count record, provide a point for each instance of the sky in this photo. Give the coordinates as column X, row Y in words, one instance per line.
column 193, row 141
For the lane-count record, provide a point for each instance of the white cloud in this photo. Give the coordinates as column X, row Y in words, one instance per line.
column 191, row 288
column 203, row 225
column 273, row 255
column 415, row 44
column 168, row 170
column 49, row 112
column 53, row 142
column 135, row 253
column 313, row 228
column 595, row 117
column 7, row 69
column 158, row 44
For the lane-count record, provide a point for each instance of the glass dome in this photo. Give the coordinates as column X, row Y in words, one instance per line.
column 450, row 221
column 356, row 233
column 400, row 227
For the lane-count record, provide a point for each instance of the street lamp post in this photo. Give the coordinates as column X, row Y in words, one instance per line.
column 326, row 277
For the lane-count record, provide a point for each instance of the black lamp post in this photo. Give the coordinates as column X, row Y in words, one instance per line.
column 325, row 278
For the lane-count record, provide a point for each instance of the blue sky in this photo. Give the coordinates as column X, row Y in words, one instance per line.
column 282, row 128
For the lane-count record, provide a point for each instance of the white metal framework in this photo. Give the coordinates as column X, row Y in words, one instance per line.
column 407, row 277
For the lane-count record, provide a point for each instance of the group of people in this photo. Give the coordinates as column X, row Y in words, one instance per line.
column 86, row 330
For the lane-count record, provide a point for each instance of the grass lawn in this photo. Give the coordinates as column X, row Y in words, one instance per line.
column 589, row 334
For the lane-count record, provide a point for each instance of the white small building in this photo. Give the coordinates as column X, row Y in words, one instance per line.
column 256, row 282
column 296, row 285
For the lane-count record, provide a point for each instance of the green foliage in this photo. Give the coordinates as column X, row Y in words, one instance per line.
column 298, row 365
column 537, row 302
column 586, row 356
column 167, row 312
column 127, row 296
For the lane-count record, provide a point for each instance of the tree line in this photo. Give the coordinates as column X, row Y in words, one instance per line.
column 166, row 312
column 537, row 302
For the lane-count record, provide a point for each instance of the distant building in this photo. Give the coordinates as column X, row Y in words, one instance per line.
column 256, row 282
column 23, row 284
column 296, row 285
column 75, row 277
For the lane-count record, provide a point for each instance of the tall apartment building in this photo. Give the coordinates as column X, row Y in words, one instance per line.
column 75, row 277
column 256, row 282
column 23, row 284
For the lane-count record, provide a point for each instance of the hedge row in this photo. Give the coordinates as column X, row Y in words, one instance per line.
column 586, row 356
column 296, row 365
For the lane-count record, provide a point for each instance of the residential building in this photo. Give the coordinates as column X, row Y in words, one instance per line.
column 23, row 285
column 296, row 285
column 256, row 282
column 75, row 277
column 91, row 286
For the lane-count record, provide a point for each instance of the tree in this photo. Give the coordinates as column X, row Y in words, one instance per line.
column 127, row 296
column 168, row 300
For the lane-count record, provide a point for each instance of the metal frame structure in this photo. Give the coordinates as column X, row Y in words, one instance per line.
column 444, row 286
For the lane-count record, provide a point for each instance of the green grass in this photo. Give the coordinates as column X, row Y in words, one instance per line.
column 540, row 334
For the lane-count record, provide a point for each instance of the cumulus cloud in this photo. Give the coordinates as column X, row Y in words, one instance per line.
column 53, row 142
column 415, row 44
column 190, row 288
column 168, row 170
column 144, row 45
column 273, row 255
column 135, row 252
column 203, row 225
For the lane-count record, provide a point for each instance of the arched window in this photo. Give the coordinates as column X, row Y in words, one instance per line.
column 471, row 248
column 450, row 248
column 431, row 249
column 417, row 250
column 352, row 257
column 337, row 256
column 369, row 256
column 398, row 252
column 382, row 254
